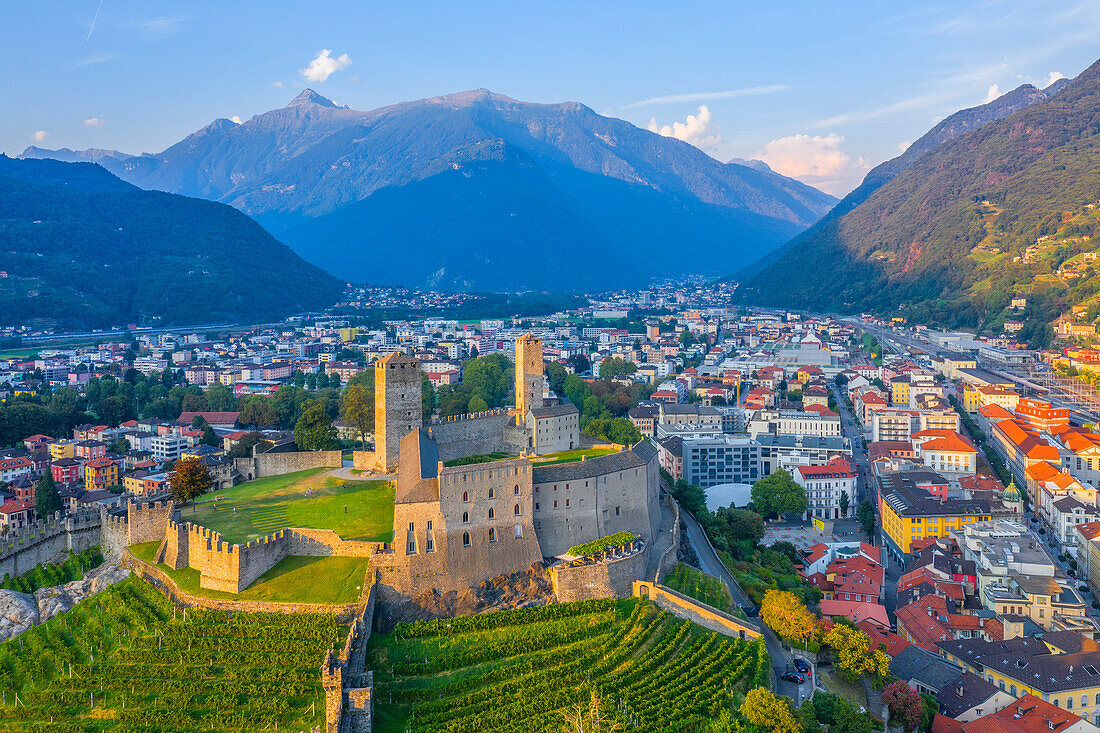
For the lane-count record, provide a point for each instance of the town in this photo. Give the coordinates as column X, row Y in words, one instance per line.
column 921, row 492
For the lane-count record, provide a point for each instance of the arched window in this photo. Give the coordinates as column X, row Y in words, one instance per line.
column 517, row 531
column 1012, row 689
column 492, row 535
column 515, row 511
column 1098, row 699
column 465, row 496
column 1084, row 700
column 515, row 490
column 491, row 514
column 1069, row 703
column 465, row 539
column 492, row 493
column 465, row 517
column 1002, row 685
column 1055, row 701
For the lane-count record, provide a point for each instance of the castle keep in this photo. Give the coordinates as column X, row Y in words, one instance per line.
column 397, row 406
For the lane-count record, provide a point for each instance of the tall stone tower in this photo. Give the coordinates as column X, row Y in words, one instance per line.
column 397, row 406
column 528, row 375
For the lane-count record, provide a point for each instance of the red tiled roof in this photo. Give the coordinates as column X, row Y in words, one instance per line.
column 922, row 629
column 879, row 634
column 835, row 468
column 855, row 610
column 1037, row 717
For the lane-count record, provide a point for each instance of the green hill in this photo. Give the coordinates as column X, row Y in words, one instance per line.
column 945, row 240
column 81, row 248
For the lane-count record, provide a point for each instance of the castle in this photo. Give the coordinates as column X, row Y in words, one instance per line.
column 455, row 526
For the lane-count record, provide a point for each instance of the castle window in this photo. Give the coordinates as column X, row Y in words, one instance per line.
column 617, row 512
column 517, row 532
column 465, row 539
column 431, row 544
column 567, row 502
column 492, row 535
column 429, row 525
column 515, row 511
column 515, row 490
column 410, row 526
column 465, row 517
column 555, row 503
column 466, row 496
column 491, row 514
column 492, row 493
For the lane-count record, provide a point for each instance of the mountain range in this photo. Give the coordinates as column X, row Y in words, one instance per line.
column 81, row 248
column 940, row 233
column 479, row 191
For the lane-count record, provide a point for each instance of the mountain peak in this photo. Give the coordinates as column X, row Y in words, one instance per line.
column 308, row 96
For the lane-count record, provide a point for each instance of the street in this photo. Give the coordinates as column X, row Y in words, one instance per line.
column 709, row 562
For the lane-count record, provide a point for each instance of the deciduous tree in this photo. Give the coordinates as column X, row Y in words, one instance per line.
column 764, row 709
column 189, row 478
column 314, row 429
column 778, row 494
column 788, row 616
column 46, row 499
column 854, row 657
column 357, row 409
column 905, row 703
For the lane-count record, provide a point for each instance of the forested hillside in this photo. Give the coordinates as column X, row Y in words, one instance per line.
column 80, row 248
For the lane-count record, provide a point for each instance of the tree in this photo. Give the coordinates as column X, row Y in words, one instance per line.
column 612, row 367
column 257, row 412
column 778, row 494
column 46, row 499
column 866, row 515
column 764, row 709
column 477, row 404
column 189, row 478
column 589, row 718
column 209, row 437
column 116, row 409
column 198, row 422
column 741, row 524
column 788, row 616
column 357, row 409
column 853, row 655
column 845, row 502
column 314, row 429
column 119, row 445
column 905, row 703
column 219, row 398
column 427, row 396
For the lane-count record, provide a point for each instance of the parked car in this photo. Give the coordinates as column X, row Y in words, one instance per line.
column 801, row 664
column 792, row 677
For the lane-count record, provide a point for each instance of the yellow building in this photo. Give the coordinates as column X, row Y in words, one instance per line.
column 100, row 473
column 908, row 512
column 348, row 334
column 62, row 449
column 975, row 398
column 899, row 390
column 1038, row 597
column 1059, row 667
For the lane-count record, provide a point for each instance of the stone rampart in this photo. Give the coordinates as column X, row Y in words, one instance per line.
column 695, row 611
column 45, row 540
column 344, row 612
column 475, row 434
column 147, row 521
column 275, row 464
column 668, row 559
column 611, row 576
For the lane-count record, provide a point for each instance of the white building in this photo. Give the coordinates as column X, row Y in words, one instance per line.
column 824, row 486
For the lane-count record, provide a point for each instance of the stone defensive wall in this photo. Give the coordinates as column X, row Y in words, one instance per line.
column 44, row 540
column 609, row 574
column 478, row 433
column 275, row 464
column 233, row 567
column 685, row 607
column 344, row 612
column 142, row 522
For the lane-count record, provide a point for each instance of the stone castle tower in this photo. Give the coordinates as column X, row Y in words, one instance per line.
column 398, row 408
column 528, row 375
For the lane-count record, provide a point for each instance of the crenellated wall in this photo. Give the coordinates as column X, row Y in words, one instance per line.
column 276, row 464
column 466, row 435
column 45, row 540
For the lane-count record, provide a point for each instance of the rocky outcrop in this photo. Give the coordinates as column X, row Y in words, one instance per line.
column 60, row 598
column 20, row 611
column 512, row 590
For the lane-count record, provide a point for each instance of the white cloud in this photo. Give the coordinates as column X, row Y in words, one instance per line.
column 706, row 96
column 993, row 93
column 817, row 160
column 96, row 59
column 277, row 84
column 93, row 122
column 1054, row 76
column 40, row 136
column 324, row 65
column 161, row 27
column 235, row 119
column 695, row 130
column 904, row 145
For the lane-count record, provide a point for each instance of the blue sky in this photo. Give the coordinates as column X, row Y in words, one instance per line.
column 820, row 90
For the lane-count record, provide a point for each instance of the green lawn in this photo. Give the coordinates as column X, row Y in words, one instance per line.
column 293, row 580
column 355, row 510
column 569, row 456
